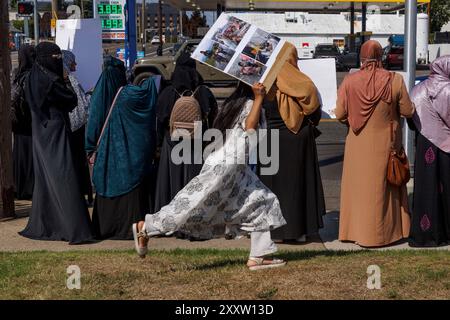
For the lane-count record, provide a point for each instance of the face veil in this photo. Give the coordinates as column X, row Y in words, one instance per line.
column 48, row 55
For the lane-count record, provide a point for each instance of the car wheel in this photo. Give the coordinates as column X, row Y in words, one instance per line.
column 141, row 77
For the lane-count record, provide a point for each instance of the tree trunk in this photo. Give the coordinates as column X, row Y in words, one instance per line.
column 6, row 165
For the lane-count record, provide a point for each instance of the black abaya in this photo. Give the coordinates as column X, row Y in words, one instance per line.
column 430, row 223
column 298, row 183
column 23, row 166
column 131, row 207
column 80, row 162
column 22, row 150
column 58, row 210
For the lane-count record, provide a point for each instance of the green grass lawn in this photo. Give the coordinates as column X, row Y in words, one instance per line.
column 221, row 274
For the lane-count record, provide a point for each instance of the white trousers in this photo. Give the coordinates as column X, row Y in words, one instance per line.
column 261, row 244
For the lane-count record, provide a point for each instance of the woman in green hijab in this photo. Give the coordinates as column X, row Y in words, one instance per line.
column 125, row 150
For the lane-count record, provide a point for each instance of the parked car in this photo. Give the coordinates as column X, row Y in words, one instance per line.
column 349, row 60
column 155, row 39
column 393, row 57
column 165, row 65
column 324, row 51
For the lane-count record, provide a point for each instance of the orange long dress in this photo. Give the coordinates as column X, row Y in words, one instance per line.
column 373, row 212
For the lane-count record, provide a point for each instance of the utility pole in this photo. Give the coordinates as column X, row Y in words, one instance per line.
column 55, row 9
column 6, row 163
column 159, row 52
column 36, row 23
column 143, row 23
column 181, row 23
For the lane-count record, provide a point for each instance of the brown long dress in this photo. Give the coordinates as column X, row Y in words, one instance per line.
column 373, row 212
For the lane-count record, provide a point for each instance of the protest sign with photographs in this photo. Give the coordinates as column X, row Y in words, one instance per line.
column 242, row 51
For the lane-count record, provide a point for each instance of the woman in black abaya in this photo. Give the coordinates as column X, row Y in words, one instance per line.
column 293, row 109
column 58, row 211
column 173, row 177
column 22, row 151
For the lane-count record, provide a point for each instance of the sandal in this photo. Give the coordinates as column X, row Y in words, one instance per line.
column 141, row 251
column 263, row 263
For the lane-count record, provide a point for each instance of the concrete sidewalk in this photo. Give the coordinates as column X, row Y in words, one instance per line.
column 11, row 241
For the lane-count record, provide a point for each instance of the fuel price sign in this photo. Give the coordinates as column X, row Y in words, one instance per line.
column 112, row 15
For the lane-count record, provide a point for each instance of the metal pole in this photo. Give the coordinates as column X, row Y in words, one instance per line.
column 36, row 23
column 181, row 23
column 130, row 33
column 364, row 23
column 94, row 8
column 410, row 65
column 352, row 27
column 159, row 52
column 55, row 9
column 143, row 20
column 26, row 28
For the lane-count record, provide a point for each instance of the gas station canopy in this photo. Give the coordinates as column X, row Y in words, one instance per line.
column 286, row 5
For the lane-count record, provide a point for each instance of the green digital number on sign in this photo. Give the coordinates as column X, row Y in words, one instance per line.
column 112, row 24
column 109, row 9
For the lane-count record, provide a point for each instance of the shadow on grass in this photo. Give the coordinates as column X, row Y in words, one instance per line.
column 286, row 255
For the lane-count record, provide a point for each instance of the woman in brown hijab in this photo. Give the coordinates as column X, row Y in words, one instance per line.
column 373, row 212
column 293, row 108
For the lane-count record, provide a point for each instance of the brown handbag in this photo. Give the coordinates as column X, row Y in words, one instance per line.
column 398, row 173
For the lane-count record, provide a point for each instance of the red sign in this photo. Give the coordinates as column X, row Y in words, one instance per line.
column 113, row 35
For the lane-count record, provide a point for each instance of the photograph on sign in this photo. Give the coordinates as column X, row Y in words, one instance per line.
column 215, row 54
column 247, row 69
column 261, row 46
column 229, row 31
column 240, row 50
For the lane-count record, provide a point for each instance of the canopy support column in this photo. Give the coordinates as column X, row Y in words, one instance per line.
column 364, row 22
column 410, row 66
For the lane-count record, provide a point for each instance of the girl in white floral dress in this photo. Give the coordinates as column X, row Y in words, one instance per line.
column 226, row 198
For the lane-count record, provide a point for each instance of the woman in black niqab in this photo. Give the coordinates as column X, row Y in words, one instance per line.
column 58, row 209
column 22, row 150
column 172, row 177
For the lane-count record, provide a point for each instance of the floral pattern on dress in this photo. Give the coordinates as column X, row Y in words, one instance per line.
column 225, row 198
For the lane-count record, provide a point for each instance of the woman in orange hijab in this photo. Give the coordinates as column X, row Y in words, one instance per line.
column 293, row 108
column 373, row 212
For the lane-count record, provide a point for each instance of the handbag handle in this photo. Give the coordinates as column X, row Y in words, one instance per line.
column 391, row 122
column 107, row 119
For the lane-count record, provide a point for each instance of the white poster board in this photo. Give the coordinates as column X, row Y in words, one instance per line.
column 240, row 49
column 84, row 38
column 323, row 73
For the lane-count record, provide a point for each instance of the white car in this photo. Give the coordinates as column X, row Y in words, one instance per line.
column 155, row 39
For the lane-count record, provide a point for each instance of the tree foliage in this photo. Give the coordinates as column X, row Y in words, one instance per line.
column 440, row 14
column 190, row 25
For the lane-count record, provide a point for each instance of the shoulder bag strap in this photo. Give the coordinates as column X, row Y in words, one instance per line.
column 391, row 119
column 107, row 118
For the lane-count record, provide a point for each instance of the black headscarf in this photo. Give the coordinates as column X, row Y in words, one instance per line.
column 27, row 56
column 45, row 88
column 185, row 75
column 49, row 56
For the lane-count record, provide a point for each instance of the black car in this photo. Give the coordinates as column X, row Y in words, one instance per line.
column 349, row 60
column 324, row 51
